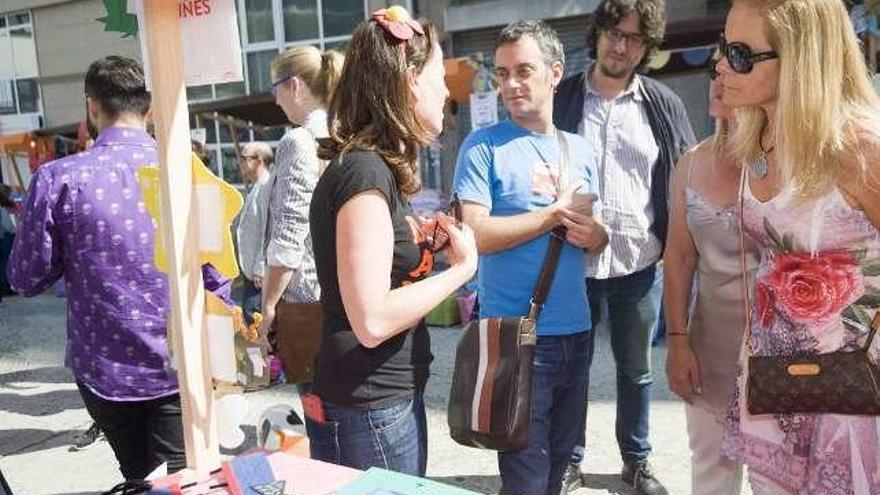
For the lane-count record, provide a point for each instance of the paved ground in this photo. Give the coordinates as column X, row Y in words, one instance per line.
column 40, row 412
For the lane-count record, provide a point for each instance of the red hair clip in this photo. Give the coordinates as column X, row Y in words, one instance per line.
column 396, row 21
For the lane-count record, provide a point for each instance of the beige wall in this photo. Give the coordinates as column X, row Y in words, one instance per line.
column 68, row 39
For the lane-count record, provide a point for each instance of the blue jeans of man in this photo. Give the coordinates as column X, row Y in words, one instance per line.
column 392, row 437
column 251, row 300
column 633, row 304
column 560, row 377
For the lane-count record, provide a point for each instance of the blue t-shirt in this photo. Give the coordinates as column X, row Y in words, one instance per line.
column 512, row 170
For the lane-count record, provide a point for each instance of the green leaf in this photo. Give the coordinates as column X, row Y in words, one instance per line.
column 871, row 298
column 860, row 254
column 788, row 242
column 861, row 315
column 855, row 317
column 774, row 236
column 871, row 268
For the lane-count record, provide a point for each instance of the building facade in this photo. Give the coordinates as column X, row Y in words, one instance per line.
column 46, row 46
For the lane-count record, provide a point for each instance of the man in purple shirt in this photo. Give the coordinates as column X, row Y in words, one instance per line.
column 84, row 219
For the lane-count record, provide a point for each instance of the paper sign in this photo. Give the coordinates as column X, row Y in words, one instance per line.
column 210, row 218
column 254, row 353
column 209, row 38
column 484, row 109
column 222, row 209
column 221, row 347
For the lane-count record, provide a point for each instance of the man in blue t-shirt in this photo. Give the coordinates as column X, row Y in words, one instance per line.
column 515, row 190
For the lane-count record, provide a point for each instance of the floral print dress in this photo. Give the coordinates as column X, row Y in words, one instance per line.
column 817, row 290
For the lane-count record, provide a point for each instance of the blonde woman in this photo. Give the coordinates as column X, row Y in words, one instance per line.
column 304, row 79
column 704, row 333
column 808, row 131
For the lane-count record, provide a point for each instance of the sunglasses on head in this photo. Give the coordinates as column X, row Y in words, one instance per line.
column 740, row 56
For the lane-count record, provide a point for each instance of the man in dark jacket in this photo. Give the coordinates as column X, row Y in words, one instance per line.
column 640, row 128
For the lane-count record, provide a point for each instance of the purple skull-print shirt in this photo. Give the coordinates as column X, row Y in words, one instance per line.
column 84, row 219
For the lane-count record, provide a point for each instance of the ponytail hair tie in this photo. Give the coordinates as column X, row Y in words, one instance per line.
column 397, row 22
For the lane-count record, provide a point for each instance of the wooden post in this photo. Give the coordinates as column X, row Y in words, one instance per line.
column 179, row 228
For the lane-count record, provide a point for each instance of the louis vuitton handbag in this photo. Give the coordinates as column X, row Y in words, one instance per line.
column 841, row 382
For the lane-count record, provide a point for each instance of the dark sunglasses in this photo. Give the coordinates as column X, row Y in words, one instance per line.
column 740, row 57
column 440, row 239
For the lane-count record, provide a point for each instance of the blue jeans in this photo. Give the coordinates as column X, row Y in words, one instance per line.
column 560, row 377
column 251, row 299
column 633, row 307
column 393, row 437
column 659, row 332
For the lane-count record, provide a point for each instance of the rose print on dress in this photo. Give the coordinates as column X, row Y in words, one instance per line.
column 813, row 288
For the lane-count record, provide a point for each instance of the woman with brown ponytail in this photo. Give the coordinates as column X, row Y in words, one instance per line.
column 366, row 406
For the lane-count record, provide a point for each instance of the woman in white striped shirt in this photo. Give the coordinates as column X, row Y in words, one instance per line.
column 304, row 79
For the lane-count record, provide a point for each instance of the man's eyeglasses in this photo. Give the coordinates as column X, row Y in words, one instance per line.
column 250, row 157
column 632, row 40
column 274, row 87
column 740, row 56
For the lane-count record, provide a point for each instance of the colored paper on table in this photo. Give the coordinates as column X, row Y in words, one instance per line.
column 306, row 476
column 245, row 472
column 381, row 482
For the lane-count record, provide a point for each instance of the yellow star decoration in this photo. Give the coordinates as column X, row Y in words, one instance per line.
column 211, row 194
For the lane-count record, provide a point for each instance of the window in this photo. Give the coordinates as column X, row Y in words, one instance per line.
column 229, row 160
column 294, row 22
column 198, row 93
column 258, row 64
column 28, row 95
column 229, row 90
column 19, row 92
column 300, row 20
column 340, row 16
column 7, row 98
column 260, row 21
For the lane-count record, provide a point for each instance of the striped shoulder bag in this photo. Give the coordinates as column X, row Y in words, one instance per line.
column 491, row 394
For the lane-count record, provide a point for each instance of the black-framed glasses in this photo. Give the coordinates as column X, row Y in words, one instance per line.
column 274, row 87
column 633, row 40
column 740, row 56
